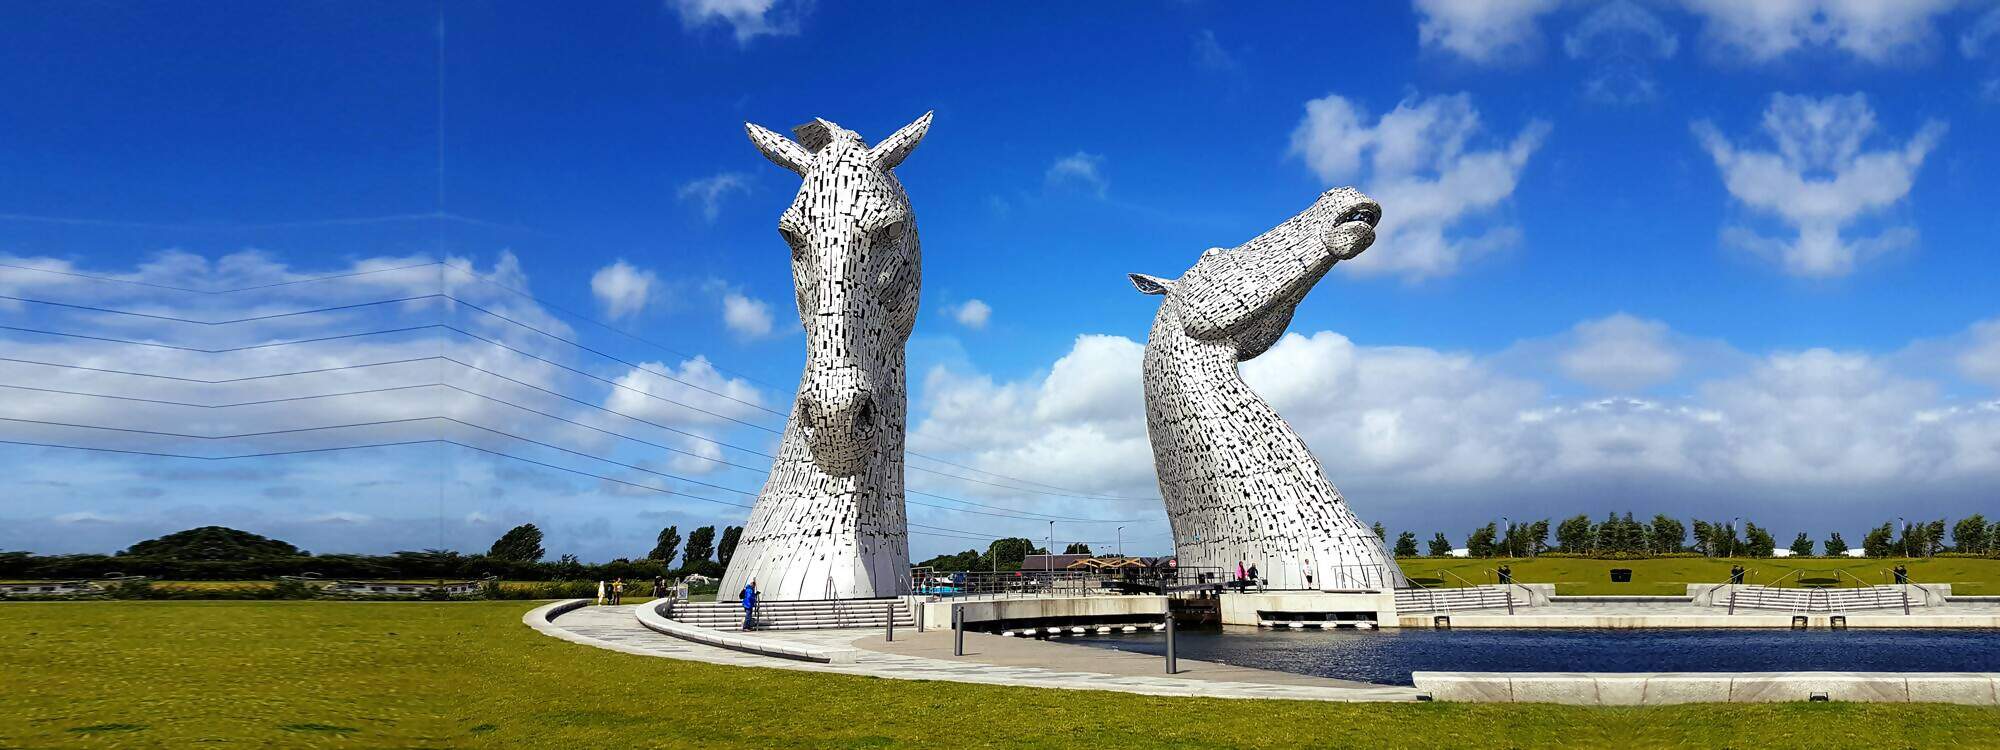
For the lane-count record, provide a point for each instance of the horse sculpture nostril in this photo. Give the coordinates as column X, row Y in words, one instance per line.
column 864, row 416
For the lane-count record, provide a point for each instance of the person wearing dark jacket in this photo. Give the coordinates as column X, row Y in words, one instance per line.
column 749, row 603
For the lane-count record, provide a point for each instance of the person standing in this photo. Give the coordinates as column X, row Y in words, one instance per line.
column 659, row 586
column 749, row 603
column 1253, row 577
column 1309, row 574
column 600, row 592
column 617, row 591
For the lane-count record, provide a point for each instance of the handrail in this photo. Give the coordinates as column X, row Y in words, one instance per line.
column 1461, row 579
column 1428, row 591
column 1508, row 580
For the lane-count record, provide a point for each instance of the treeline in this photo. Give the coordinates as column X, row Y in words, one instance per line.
column 1001, row 554
column 217, row 553
column 1626, row 536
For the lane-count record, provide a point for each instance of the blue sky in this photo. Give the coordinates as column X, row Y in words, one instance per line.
column 1636, row 255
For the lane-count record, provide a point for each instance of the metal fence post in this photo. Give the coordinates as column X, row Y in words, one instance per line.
column 957, row 631
column 1172, row 668
column 890, row 635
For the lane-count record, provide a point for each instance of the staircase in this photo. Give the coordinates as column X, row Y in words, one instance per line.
column 1447, row 600
column 1818, row 600
column 822, row 614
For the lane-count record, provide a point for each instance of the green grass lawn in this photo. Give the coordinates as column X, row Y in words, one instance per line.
column 359, row 674
column 1670, row 575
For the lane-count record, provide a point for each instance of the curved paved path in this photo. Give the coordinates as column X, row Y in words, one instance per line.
column 989, row 660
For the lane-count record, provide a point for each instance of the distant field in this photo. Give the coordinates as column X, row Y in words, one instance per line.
column 433, row 675
column 1670, row 575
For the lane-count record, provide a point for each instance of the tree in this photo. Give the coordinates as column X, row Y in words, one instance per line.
column 1575, row 534
column 1970, row 535
column 522, row 543
column 727, row 547
column 213, row 543
column 1484, row 541
column 701, row 544
column 1880, row 541
column 1381, row 532
column 1665, row 535
column 1757, row 541
column 1007, row 554
column 1835, row 546
column 1440, row 546
column 967, row 560
column 1538, row 537
column 1933, row 537
column 1077, row 548
column 1802, row 546
column 1704, row 537
column 665, row 545
column 1406, row 544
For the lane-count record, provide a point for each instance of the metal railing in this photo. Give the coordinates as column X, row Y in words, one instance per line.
column 1064, row 583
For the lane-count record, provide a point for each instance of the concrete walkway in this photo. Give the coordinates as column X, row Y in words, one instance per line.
column 989, row 660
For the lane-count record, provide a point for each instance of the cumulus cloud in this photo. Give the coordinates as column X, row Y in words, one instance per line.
column 971, row 313
column 708, row 192
column 1874, row 32
column 1819, row 180
column 622, row 289
column 748, row 19
column 1621, row 39
column 1621, row 352
column 1081, row 170
column 323, row 427
column 1482, row 31
column 1418, row 160
column 749, row 317
column 1416, row 435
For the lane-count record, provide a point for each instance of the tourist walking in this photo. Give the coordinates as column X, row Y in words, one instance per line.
column 749, row 603
column 600, row 592
column 1309, row 574
column 617, row 591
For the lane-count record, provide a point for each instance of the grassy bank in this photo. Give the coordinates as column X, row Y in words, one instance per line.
column 1670, row 575
column 345, row 674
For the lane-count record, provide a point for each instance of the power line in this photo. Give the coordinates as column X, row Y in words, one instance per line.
column 1011, row 512
column 171, row 288
column 544, row 360
column 268, row 454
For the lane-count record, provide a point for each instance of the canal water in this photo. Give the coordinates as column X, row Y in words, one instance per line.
column 1389, row 656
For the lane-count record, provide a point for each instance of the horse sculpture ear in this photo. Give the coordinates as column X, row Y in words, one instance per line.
column 1151, row 284
column 891, row 150
column 779, row 149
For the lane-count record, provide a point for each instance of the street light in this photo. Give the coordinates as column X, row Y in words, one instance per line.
column 1506, row 527
column 1121, row 541
column 1049, row 561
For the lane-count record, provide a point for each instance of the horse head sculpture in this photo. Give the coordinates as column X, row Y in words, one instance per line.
column 855, row 269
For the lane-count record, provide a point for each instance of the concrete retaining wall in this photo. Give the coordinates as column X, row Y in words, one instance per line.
column 649, row 616
column 937, row 614
column 1242, row 609
column 1665, row 688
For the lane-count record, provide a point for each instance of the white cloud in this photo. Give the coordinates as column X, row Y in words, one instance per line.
column 84, row 516
column 1819, row 180
column 1621, row 352
column 340, row 516
column 1482, row 31
column 622, row 289
column 1980, row 357
column 748, row 19
column 709, row 191
column 1209, row 54
column 1081, row 170
column 1415, row 160
column 1621, row 39
column 1874, row 31
column 1974, row 42
column 971, row 313
column 1414, row 435
column 750, row 318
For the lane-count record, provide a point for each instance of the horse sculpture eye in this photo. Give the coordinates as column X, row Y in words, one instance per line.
column 796, row 240
column 886, row 234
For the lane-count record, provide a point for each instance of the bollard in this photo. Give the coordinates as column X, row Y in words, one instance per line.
column 1171, row 667
column 957, row 631
column 890, row 635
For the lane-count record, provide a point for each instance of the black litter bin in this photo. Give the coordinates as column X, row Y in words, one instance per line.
column 1621, row 575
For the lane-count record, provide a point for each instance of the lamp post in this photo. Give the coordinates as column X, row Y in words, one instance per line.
column 1904, row 527
column 1049, row 561
column 1506, row 527
column 1732, row 534
column 1121, row 541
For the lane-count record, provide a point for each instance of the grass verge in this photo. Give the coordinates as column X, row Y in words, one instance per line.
column 357, row 674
